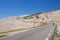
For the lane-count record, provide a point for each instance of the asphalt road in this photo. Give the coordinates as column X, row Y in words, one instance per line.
column 41, row 33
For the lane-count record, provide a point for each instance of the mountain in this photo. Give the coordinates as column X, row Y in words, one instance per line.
column 29, row 21
column 46, row 16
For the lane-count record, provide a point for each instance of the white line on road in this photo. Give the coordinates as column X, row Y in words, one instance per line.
column 49, row 35
column 46, row 38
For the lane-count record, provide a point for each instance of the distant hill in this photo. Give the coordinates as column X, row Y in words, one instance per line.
column 18, row 22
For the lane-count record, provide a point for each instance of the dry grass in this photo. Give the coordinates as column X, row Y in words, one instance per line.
column 3, row 34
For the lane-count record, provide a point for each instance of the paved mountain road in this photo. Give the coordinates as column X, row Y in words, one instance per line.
column 42, row 33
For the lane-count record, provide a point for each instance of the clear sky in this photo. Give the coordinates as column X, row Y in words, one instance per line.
column 23, row 7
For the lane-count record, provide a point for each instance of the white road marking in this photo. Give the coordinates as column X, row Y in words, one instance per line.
column 49, row 34
column 46, row 38
column 51, row 31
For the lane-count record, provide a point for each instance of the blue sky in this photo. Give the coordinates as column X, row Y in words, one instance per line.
column 23, row 7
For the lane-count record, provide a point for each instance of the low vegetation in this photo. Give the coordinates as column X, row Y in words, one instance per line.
column 3, row 34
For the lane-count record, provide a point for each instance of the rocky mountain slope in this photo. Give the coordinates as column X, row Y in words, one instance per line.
column 47, row 16
column 29, row 21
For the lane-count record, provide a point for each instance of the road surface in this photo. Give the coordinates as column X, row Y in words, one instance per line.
column 41, row 33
